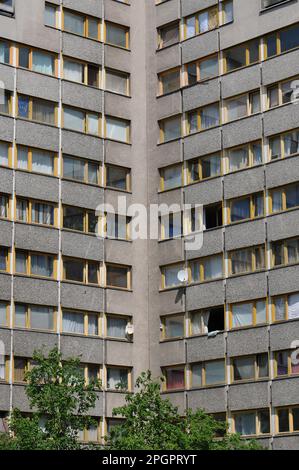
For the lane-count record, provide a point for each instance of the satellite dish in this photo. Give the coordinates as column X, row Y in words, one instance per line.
column 129, row 329
column 183, row 275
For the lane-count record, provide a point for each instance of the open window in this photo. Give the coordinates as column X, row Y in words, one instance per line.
column 213, row 216
column 208, row 321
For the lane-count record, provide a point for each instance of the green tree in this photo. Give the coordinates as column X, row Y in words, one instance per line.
column 153, row 423
column 61, row 401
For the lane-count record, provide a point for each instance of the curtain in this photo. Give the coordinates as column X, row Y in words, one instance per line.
column 190, row 27
column 73, row 168
column 211, row 166
column 42, row 162
column 172, row 129
column 291, row 143
column 238, row 159
column 117, row 377
column 21, row 264
column 208, row 68
column 196, row 324
column 276, row 200
column 213, row 268
column 2, row 367
column 116, row 82
column 293, row 306
column 174, row 327
column 93, row 169
column 242, row 315
column 257, row 154
column 42, row 214
column 73, row 71
column 228, row 11
column 243, row 368
column 282, row 363
column 293, row 251
column 275, row 148
column 93, row 433
column 261, row 312
column 42, row 265
column 22, row 210
column 203, row 20
column 93, row 325
column 237, row 108
column 209, row 116
column 116, row 35
column 74, row 23
column 206, row 318
column 93, row 123
column 245, row 424
column 116, row 129
column 74, row 119
column 23, row 106
column 195, row 271
column 175, row 378
column 23, row 158
column 3, row 206
column 121, row 226
column 4, row 53
column 20, row 316
column 172, row 177
column 240, row 210
column 42, row 318
column 43, row 63
column 197, row 375
column 3, row 314
column 280, row 313
column 215, row 372
column 3, row 154
column 116, row 327
column 43, row 111
column 73, row 323
column 19, row 369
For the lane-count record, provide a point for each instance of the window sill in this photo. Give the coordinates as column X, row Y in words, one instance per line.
column 37, row 72
column 107, row 139
column 86, row 183
column 23, row 170
column 53, row 126
column 220, row 26
column 32, row 224
column 81, row 132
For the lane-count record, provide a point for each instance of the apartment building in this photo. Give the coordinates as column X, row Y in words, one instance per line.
column 186, row 102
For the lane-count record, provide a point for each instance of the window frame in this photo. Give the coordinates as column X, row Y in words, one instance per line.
column 86, row 163
column 257, row 421
column 291, row 419
column 28, row 317
column 285, row 252
column 256, row 367
column 85, row 114
column 8, row 255
column 31, row 51
column 163, row 336
column 128, row 274
column 249, row 147
column 203, row 365
column 252, row 207
column 283, row 190
column 29, row 211
column 197, row 64
column 128, row 177
column 85, row 66
column 30, row 151
column 126, row 29
column 253, row 314
column 253, row 249
column 31, row 100
column 86, row 19
column 285, row 298
column 29, row 254
column 129, row 378
column 85, row 271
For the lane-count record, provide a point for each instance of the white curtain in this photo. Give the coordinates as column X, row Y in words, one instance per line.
column 73, row 322
column 291, row 143
column 261, row 312
column 196, row 324
column 206, row 318
column 42, row 318
column 238, row 159
column 190, row 27
column 117, row 327
column 42, row 162
column 197, row 375
column 23, row 158
column 116, row 82
column 293, row 306
column 171, row 276
column 245, row 424
column 242, row 314
column 172, row 177
column 213, row 268
column 93, row 325
column 209, row 116
column 280, row 309
column 42, row 214
column 42, row 265
column 2, row 314
column 257, row 154
column 3, row 206
column 3, row 154
column 93, row 123
column 73, row 71
column 116, row 377
column 22, row 210
column 20, row 316
column 204, row 22
column 93, row 169
column 93, row 434
column 74, row 119
column 74, row 23
column 116, row 129
column 43, row 63
column 244, row 368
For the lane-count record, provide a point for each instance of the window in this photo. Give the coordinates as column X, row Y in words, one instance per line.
column 284, row 364
column 35, row 212
column 203, row 118
column 285, row 198
column 82, row 25
column 244, row 157
column 285, row 307
column 50, row 15
column 81, row 220
column 34, row 317
column 171, row 177
column 202, row 69
column 85, row 171
column 206, row 269
column 6, row 103
column 169, row 81
column 204, row 168
column 7, row 7
column 118, row 177
column 117, row 226
column 241, row 55
column 250, row 367
column 208, row 373
column 118, row 378
column 248, row 314
column 173, row 326
column 207, row 321
column 83, row 271
column 249, row 207
column 247, row 260
column 170, row 276
column 3, row 259
column 116, row 326
column 4, row 51
column 92, row 433
column 117, row 35
column 80, row 323
column 174, row 378
column 35, row 264
column 208, row 19
column 81, row 121
column 36, row 160
column 281, row 93
column 287, row 420
column 118, row 276
column 81, row 72
column 4, row 369
column 170, row 129
column 4, row 315
column 284, row 145
column 285, row 252
column 21, row 367
column 168, row 35
column 252, row 423
column 118, row 82
column 36, row 109
column 5, row 154
column 171, row 225
column 282, row 41
column 37, row 60
column 117, row 129
column 4, row 206
column 242, row 106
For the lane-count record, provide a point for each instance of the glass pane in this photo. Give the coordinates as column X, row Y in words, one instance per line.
column 116, row 177
column 208, row 68
column 171, row 276
column 50, row 15
column 245, row 424
column 116, row 327
column 73, row 23
column 4, row 52
column 292, row 196
column 4, row 154
column 172, row 177
column 264, row 417
column 21, row 263
column 261, row 312
column 293, row 303
column 170, row 81
column 296, row 419
column 73, row 322
column 116, row 35
column 3, row 319
column 24, row 57
column 93, row 123
column 242, row 315
column 20, row 316
column 238, row 159
column 280, row 309
column 93, row 28
column 74, row 270
column 116, row 129
column 289, row 38
column 282, row 359
column 73, row 218
column 209, row 116
column 235, row 57
column 215, row 372
column 213, row 268
column 275, row 148
column 291, row 143
column 22, row 158
column 117, row 276
column 43, row 63
column 197, row 375
column 73, row 168
column 42, row 162
column 174, row 327
column 42, row 318
column 190, row 27
column 23, row 106
column 263, row 365
column 241, row 261
column 116, row 82
column 277, row 200
column 175, row 379
column 73, row 71
column 74, row 119
column 169, row 35
column 42, row 265
column 243, row 368
column 283, row 420
column 93, row 325
column 237, row 108
column 240, row 210
column 211, row 166
column 43, row 111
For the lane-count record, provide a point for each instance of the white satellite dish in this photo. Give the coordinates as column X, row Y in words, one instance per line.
column 130, row 329
column 183, row 275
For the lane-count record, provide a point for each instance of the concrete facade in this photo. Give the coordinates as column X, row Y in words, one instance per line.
column 146, row 303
